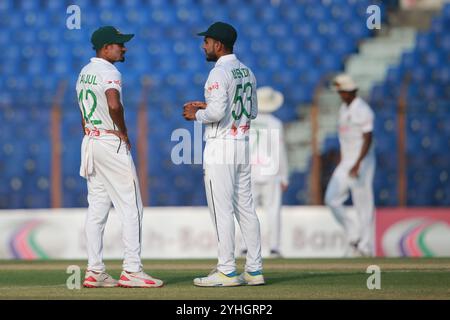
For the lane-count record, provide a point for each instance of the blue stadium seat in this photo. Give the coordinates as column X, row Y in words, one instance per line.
column 410, row 59
column 394, row 75
column 438, row 25
column 319, row 13
column 330, row 62
column 5, row 38
column 303, row 31
column 419, row 160
column 187, row 3
column 442, row 74
column 425, row 42
column 278, row 30
column 290, row 13
column 55, row 5
column 343, row 45
column 385, row 142
column 420, row 74
column 357, row 29
column 317, row 45
column 286, row 114
column 214, row 13
column 285, row 49
column 446, row 11
column 386, row 197
column 267, row 14
column 6, row 5
column 421, row 124
column 433, row 58
column 270, row 62
column 28, row 5
column 330, row 143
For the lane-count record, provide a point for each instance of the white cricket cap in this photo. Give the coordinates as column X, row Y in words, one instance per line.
column 344, row 82
column 269, row 99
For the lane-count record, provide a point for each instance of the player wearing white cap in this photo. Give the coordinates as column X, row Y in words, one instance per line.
column 107, row 164
column 231, row 103
column 356, row 169
column 269, row 163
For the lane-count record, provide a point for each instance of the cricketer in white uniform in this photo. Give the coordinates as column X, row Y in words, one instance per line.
column 270, row 177
column 231, row 103
column 356, row 169
column 107, row 164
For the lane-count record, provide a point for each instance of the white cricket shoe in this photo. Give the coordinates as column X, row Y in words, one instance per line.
column 218, row 279
column 255, row 278
column 94, row 279
column 138, row 280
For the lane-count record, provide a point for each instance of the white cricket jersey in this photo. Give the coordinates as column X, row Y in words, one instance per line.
column 230, row 95
column 268, row 151
column 94, row 79
column 354, row 120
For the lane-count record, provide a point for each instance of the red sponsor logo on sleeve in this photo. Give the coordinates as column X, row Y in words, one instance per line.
column 213, row 86
column 118, row 82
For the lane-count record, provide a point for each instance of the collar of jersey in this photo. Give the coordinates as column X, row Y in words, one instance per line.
column 101, row 60
column 226, row 58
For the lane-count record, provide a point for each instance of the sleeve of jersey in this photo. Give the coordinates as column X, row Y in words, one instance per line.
column 217, row 98
column 112, row 80
column 254, row 111
column 367, row 120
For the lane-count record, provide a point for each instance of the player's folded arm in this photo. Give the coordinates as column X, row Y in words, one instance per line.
column 215, row 111
column 217, row 100
column 254, row 109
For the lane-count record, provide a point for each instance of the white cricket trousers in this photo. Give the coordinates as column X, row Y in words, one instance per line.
column 268, row 195
column 228, row 190
column 113, row 180
column 361, row 230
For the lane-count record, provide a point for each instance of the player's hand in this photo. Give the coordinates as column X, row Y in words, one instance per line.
column 122, row 136
column 354, row 171
column 198, row 104
column 284, row 187
column 127, row 142
column 189, row 111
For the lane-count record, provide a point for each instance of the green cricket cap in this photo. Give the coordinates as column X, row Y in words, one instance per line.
column 108, row 35
column 222, row 32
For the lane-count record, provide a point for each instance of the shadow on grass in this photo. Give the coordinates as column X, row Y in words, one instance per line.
column 271, row 278
column 277, row 279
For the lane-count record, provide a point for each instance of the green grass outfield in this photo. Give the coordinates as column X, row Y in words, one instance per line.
column 286, row 279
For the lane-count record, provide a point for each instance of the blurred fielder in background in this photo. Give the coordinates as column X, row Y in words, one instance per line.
column 107, row 164
column 231, row 103
column 269, row 163
column 355, row 170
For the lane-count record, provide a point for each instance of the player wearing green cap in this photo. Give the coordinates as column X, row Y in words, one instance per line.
column 231, row 104
column 107, row 164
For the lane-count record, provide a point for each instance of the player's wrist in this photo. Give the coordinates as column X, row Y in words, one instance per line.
column 195, row 114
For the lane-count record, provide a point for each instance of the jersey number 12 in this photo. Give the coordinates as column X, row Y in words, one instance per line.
column 88, row 117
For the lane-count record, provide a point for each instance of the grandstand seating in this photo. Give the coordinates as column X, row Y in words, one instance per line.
column 290, row 46
column 426, row 69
